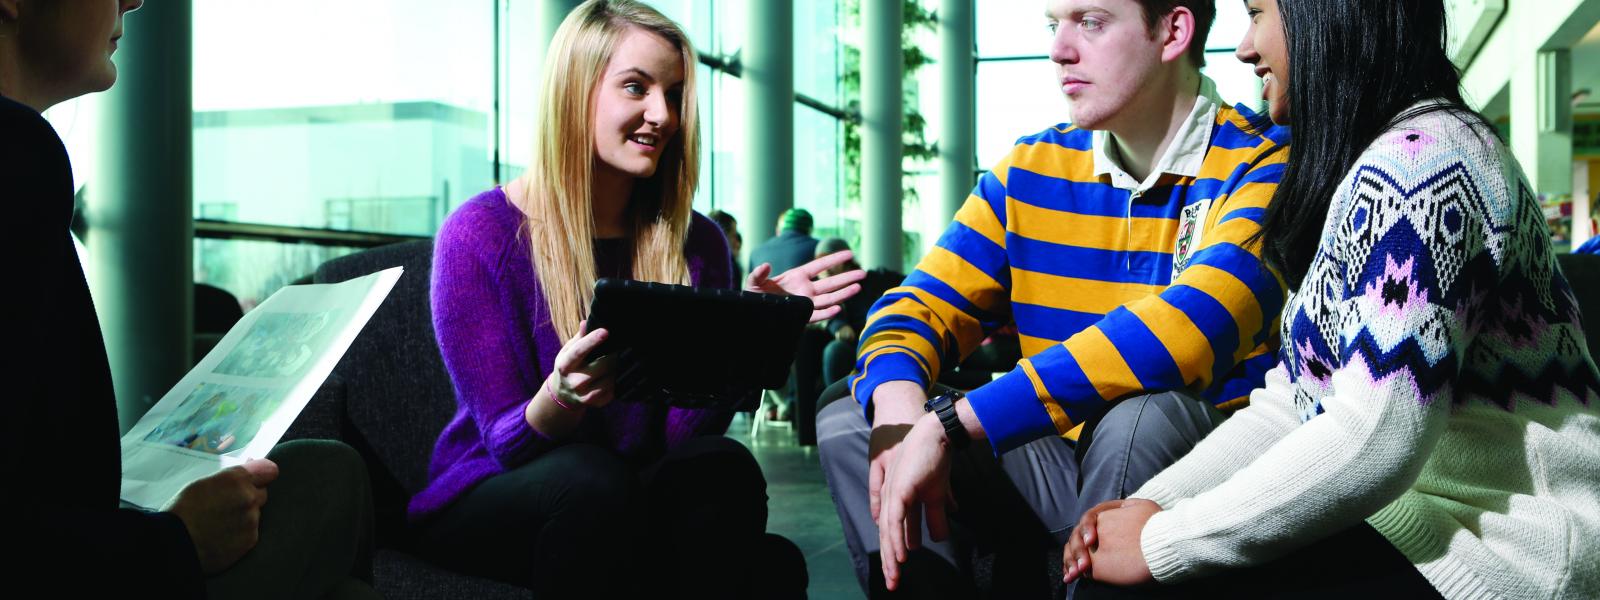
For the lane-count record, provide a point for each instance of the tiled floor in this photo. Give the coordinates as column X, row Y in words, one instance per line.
column 799, row 507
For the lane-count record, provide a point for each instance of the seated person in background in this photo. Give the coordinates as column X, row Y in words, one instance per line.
column 1434, row 427
column 1117, row 244
column 844, row 328
column 220, row 536
column 540, row 479
column 730, row 230
column 997, row 353
column 791, row 247
column 828, row 349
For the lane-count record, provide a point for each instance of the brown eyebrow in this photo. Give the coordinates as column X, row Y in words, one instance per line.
column 1093, row 8
column 1078, row 13
column 640, row 72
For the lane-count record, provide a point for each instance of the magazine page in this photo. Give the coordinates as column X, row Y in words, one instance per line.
column 240, row 399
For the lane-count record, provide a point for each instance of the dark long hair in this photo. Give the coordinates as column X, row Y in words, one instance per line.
column 1356, row 69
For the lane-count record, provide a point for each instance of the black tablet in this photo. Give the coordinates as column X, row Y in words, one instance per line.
column 697, row 347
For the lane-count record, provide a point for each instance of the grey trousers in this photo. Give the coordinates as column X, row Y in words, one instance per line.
column 316, row 529
column 1133, row 440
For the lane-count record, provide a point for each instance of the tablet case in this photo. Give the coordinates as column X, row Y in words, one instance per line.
column 696, row 347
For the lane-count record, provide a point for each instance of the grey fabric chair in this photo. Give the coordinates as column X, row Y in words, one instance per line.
column 1583, row 272
column 389, row 398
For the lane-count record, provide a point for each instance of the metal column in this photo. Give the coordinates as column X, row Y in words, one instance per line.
column 769, row 117
column 140, row 210
column 882, row 108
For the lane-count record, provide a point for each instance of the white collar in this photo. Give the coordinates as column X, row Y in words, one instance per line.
column 1183, row 157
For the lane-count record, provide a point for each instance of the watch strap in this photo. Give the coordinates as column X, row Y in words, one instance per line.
column 944, row 406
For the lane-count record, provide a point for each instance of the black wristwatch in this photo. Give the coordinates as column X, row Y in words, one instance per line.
column 944, row 406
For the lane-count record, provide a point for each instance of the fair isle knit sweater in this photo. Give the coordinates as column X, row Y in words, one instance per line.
column 1434, row 383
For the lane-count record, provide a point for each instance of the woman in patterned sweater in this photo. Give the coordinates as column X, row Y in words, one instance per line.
column 1432, row 429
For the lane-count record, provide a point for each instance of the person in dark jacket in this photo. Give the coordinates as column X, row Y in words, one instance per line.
column 792, row 247
column 219, row 537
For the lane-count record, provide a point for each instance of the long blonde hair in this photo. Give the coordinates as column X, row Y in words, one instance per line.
column 557, row 203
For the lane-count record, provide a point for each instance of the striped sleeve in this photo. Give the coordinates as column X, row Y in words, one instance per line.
column 948, row 304
column 1214, row 315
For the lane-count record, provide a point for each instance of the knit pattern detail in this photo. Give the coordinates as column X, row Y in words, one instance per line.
column 1434, row 383
column 1439, row 268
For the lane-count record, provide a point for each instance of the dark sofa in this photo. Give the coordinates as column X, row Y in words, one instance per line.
column 389, row 398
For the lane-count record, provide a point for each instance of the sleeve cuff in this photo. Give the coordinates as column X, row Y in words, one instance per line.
column 1011, row 412
column 512, row 440
column 881, row 369
column 1157, row 542
column 184, row 559
column 1154, row 492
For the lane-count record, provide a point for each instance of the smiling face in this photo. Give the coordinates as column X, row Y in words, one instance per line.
column 1105, row 54
column 637, row 104
column 1264, row 47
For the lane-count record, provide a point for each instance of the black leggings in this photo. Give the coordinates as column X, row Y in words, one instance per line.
column 578, row 521
column 1355, row 563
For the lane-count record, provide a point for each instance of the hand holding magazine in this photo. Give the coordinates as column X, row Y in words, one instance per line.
column 238, row 402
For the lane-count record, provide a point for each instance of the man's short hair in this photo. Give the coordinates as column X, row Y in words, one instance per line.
column 1205, row 13
column 797, row 219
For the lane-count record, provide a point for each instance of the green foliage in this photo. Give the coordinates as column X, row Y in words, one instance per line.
column 913, row 125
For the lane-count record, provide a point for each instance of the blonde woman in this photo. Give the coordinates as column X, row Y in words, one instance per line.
column 540, row 479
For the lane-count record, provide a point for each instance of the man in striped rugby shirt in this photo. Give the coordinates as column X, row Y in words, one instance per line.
column 1120, row 245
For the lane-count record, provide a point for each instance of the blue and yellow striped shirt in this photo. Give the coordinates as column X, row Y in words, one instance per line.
column 1115, row 292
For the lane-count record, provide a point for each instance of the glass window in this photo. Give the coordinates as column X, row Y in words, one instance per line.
column 382, row 118
column 696, row 19
column 705, row 79
column 1236, row 81
column 817, row 51
column 729, row 25
column 76, row 122
column 378, row 117
column 252, row 270
column 818, row 150
column 1229, row 28
column 1012, row 28
column 521, row 74
column 1018, row 96
column 723, row 139
column 920, row 217
column 1014, row 99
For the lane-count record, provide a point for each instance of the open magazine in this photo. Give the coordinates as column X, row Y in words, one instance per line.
column 238, row 402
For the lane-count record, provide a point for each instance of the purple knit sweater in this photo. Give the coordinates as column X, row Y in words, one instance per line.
column 498, row 344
